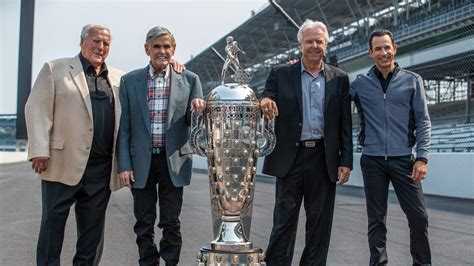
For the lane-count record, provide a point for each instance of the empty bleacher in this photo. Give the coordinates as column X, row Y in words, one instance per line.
column 452, row 138
column 449, row 112
column 446, row 137
column 451, row 130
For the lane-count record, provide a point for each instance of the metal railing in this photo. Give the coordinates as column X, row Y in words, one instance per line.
column 403, row 32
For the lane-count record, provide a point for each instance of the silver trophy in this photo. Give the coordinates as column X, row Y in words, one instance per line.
column 232, row 134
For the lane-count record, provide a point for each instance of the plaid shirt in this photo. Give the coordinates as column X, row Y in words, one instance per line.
column 158, row 95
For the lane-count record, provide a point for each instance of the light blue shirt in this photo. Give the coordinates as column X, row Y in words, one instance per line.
column 313, row 89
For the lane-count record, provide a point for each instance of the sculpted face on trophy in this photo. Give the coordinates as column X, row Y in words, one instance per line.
column 232, row 134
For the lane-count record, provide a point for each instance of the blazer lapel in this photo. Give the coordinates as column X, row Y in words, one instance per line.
column 175, row 89
column 329, row 86
column 141, row 89
column 296, row 78
column 77, row 74
column 114, row 82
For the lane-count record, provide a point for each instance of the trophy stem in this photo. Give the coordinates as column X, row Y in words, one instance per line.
column 231, row 236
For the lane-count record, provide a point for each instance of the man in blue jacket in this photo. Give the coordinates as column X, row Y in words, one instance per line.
column 154, row 156
column 395, row 136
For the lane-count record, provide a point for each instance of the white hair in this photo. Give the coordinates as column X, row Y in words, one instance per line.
column 87, row 28
column 312, row 24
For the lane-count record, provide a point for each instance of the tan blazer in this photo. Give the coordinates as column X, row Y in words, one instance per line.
column 59, row 120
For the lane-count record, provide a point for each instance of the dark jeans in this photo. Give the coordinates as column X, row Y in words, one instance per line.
column 170, row 202
column 90, row 197
column 378, row 173
column 308, row 179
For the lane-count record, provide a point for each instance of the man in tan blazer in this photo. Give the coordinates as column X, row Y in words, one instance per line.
column 72, row 117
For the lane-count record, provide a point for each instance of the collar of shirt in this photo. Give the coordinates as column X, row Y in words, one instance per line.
column 303, row 70
column 88, row 68
column 154, row 74
column 390, row 74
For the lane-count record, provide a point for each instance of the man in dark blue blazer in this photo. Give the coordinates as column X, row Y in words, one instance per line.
column 313, row 126
column 154, row 156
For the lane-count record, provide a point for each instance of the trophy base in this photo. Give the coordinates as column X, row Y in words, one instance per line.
column 210, row 257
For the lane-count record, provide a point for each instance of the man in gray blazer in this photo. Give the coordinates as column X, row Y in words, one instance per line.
column 154, row 156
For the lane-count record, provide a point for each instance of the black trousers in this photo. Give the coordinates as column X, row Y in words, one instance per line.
column 170, row 202
column 308, row 179
column 90, row 197
column 378, row 172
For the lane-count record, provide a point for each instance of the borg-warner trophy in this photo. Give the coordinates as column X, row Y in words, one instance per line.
column 232, row 134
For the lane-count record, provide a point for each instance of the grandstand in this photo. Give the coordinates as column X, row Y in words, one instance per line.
column 7, row 133
column 435, row 39
column 452, row 138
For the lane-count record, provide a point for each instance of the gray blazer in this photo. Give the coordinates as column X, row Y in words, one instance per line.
column 134, row 139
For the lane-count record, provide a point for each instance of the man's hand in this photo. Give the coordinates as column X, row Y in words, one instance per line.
column 292, row 62
column 126, row 178
column 343, row 173
column 269, row 108
column 419, row 171
column 178, row 67
column 39, row 164
column 198, row 106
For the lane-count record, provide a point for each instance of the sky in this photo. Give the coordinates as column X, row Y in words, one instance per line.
column 195, row 24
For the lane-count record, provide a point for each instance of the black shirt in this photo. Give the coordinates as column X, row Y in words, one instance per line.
column 103, row 113
column 385, row 81
column 96, row 81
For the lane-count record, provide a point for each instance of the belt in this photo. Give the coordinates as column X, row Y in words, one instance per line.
column 157, row 150
column 312, row 143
